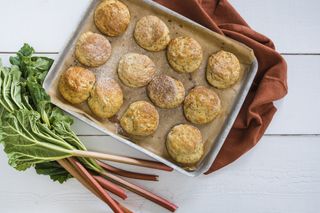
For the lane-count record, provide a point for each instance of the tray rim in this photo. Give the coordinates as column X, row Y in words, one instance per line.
column 212, row 154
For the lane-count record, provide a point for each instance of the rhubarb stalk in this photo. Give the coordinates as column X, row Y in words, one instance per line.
column 125, row 210
column 95, row 185
column 140, row 191
column 111, row 187
column 128, row 174
column 67, row 166
column 121, row 159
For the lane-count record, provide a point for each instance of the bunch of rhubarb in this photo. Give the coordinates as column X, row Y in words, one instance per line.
column 35, row 133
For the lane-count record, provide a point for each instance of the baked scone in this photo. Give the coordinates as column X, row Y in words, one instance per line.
column 184, row 144
column 201, row 105
column 75, row 84
column 223, row 69
column 140, row 119
column 166, row 92
column 136, row 70
column 93, row 49
column 112, row 17
column 151, row 33
column 184, row 54
column 106, row 98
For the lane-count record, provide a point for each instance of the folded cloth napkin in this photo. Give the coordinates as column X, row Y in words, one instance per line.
column 270, row 83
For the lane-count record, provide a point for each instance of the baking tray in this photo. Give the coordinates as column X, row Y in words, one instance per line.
column 232, row 99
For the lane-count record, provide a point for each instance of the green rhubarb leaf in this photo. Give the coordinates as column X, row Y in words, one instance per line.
column 54, row 170
column 23, row 145
column 33, row 131
column 6, row 80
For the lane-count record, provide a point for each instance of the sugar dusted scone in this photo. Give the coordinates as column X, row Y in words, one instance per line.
column 112, row 17
column 151, row 33
column 75, row 84
column 166, row 92
column 92, row 49
column 184, row 144
column 202, row 105
column 136, row 70
column 140, row 119
column 223, row 69
column 184, row 54
column 106, row 98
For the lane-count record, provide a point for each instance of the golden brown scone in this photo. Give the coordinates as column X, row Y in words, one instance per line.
column 184, row 144
column 151, row 33
column 106, row 98
column 112, row 17
column 201, row 105
column 166, row 92
column 184, row 54
column 140, row 119
column 136, row 70
column 223, row 69
column 93, row 49
column 75, row 84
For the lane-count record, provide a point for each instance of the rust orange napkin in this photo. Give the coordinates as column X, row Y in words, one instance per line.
column 269, row 85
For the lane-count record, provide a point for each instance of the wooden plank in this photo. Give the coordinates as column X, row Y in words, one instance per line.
column 280, row 175
column 45, row 24
column 297, row 112
column 292, row 24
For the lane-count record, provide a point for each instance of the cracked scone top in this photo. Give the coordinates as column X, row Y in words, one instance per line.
column 151, row 33
column 106, row 98
column 223, row 69
column 184, row 144
column 184, row 54
column 92, row 49
column 140, row 119
column 136, row 70
column 202, row 105
column 75, row 84
column 112, row 17
column 166, row 92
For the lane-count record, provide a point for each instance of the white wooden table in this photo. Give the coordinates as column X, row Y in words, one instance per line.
column 281, row 174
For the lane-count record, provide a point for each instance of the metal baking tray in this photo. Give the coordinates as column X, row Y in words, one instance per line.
column 232, row 99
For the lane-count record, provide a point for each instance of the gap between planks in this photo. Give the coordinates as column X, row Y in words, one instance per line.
column 39, row 53
column 56, row 53
column 265, row 135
